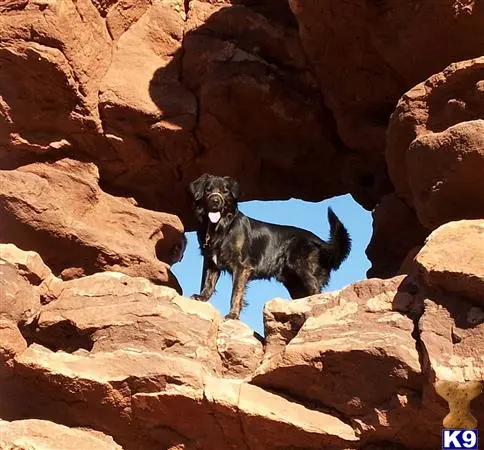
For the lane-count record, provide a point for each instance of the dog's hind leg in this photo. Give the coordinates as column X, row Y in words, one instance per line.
column 299, row 288
column 311, row 284
column 302, row 277
column 210, row 277
column 294, row 286
column 302, row 282
column 240, row 277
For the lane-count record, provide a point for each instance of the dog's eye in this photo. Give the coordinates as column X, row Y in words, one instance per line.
column 225, row 190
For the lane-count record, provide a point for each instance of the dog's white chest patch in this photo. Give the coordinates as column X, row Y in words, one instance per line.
column 214, row 259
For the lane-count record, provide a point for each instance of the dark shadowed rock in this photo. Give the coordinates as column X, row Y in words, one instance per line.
column 396, row 231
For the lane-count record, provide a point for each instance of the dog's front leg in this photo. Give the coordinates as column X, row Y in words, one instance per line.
column 210, row 276
column 240, row 278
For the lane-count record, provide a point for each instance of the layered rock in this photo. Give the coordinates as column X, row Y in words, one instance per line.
column 352, row 369
column 148, row 400
column 108, row 312
column 37, row 434
column 353, row 353
column 60, row 211
column 452, row 260
column 146, row 366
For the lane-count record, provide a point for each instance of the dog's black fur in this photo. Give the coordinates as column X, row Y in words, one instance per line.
column 250, row 249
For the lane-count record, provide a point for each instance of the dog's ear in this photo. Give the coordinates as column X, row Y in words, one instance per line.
column 197, row 187
column 233, row 186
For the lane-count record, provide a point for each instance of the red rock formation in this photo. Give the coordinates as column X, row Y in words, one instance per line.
column 135, row 99
column 452, row 259
column 154, row 97
column 435, row 145
column 356, row 353
column 347, row 370
column 366, row 54
column 148, row 367
column 43, row 434
column 59, row 211
column 155, row 94
column 435, row 157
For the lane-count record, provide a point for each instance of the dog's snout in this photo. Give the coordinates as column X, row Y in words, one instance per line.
column 215, row 200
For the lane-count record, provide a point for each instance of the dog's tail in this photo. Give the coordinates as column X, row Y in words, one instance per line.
column 339, row 242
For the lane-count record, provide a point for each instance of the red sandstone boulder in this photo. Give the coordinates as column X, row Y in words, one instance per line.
column 352, row 351
column 20, row 301
column 45, row 435
column 451, row 329
column 452, row 260
column 444, row 173
column 29, row 264
column 111, row 311
column 53, row 58
column 59, row 211
column 240, row 348
column 11, row 343
column 435, row 145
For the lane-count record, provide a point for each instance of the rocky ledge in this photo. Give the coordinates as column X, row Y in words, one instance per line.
column 116, row 361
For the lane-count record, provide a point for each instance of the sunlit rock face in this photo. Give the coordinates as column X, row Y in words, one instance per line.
column 149, row 368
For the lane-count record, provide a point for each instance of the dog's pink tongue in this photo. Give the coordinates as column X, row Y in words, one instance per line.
column 214, row 216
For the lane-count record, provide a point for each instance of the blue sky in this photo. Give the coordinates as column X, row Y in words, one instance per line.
column 312, row 217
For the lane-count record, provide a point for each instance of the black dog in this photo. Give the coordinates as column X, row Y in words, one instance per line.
column 250, row 249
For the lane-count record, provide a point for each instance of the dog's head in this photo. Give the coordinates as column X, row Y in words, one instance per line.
column 215, row 197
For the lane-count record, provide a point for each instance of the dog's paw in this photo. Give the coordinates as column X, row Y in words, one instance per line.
column 199, row 297
column 232, row 315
